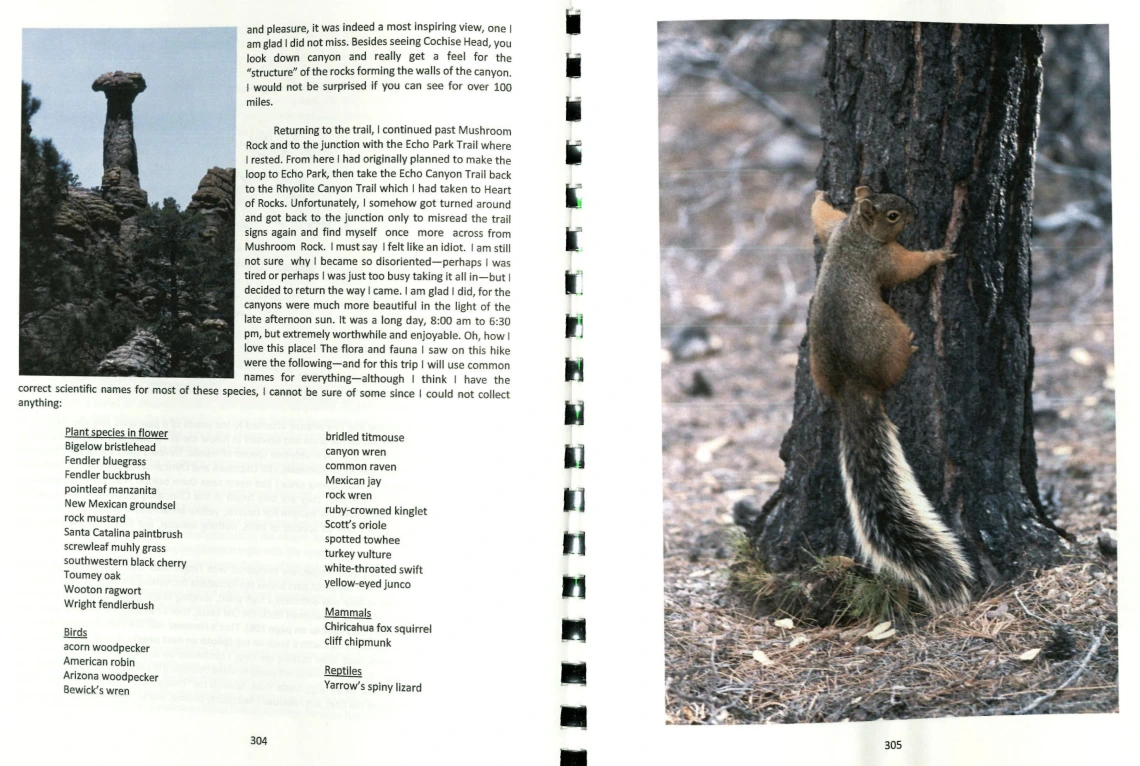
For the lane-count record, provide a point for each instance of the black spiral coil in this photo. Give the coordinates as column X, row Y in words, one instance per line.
column 572, row 718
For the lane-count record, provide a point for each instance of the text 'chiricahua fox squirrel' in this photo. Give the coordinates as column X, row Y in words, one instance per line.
column 859, row 349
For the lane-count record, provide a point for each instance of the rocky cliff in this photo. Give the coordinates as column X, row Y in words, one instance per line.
column 215, row 200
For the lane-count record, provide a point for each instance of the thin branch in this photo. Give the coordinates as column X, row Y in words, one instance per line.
column 769, row 103
column 1100, row 179
column 1076, row 674
column 1100, row 281
column 1048, row 622
column 700, row 63
column 1069, row 217
column 1031, row 614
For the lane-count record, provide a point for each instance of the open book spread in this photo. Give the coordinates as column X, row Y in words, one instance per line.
column 312, row 300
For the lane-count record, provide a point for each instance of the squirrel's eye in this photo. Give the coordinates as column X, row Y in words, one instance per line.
column 892, row 216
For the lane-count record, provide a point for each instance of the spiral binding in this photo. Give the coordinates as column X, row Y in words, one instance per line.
column 572, row 718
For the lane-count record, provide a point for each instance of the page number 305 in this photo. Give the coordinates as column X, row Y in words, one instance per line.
column 893, row 744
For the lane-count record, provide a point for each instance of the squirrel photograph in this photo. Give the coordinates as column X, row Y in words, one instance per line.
column 896, row 422
column 859, row 349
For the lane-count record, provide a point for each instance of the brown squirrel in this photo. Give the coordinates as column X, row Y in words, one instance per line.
column 860, row 347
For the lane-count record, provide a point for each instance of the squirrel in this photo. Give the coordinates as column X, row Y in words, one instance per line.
column 859, row 348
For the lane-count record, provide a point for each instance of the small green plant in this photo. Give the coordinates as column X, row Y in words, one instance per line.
column 867, row 597
column 747, row 574
column 835, row 590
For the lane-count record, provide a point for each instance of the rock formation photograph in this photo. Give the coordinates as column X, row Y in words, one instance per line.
column 127, row 235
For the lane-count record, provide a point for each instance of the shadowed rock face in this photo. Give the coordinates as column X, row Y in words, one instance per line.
column 120, row 157
column 215, row 199
column 84, row 216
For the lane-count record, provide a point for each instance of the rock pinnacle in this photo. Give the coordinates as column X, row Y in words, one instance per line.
column 120, row 157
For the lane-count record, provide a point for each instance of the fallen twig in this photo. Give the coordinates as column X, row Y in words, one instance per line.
column 1076, row 674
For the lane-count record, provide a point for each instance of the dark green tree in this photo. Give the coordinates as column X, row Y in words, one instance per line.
column 44, row 178
column 184, row 284
column 70, row 309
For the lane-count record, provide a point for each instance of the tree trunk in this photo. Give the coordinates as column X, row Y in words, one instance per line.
column 945, row 115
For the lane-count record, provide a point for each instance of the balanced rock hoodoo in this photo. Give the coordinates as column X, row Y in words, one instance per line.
column 120, row 156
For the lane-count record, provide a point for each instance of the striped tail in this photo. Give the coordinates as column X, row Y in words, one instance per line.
column 895, row 525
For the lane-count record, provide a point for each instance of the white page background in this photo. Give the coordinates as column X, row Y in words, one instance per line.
column 491, row 475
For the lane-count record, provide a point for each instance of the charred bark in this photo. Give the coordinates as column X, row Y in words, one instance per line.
column 945, row 115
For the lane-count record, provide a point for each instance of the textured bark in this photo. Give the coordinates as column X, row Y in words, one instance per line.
column 945, row 115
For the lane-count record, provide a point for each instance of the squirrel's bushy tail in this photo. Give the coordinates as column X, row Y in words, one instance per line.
column 895, row 525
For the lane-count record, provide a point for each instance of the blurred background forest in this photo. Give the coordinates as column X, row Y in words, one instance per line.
column 739, row 143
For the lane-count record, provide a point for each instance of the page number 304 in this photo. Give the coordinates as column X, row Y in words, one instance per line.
column 256, row 740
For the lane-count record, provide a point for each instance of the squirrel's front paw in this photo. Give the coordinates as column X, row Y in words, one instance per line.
column 819, row 195
column 947, row 254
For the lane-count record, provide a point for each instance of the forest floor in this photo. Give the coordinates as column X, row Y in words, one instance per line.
column 737, row 273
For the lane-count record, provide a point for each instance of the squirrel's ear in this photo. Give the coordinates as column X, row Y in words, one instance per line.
column 862, row 192
column 866, row 209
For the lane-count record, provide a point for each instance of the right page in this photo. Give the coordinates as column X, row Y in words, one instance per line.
column 855, row 423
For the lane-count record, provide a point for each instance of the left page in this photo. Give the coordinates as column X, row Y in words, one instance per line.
column 285, row 400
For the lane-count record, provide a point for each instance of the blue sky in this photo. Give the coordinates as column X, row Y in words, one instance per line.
column 184, row 120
